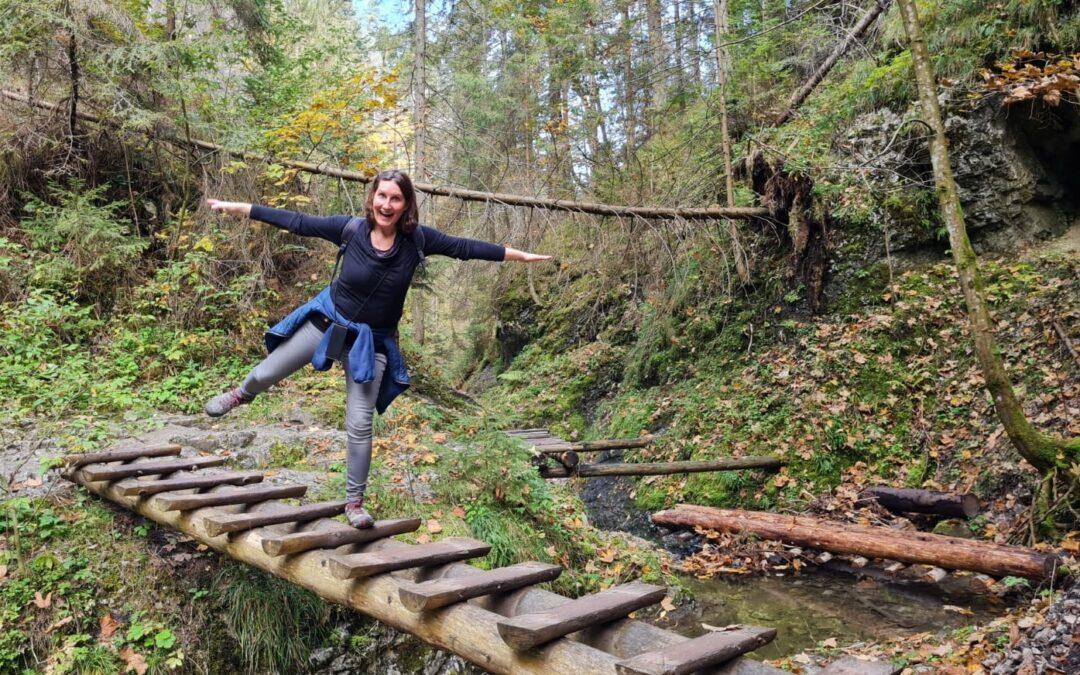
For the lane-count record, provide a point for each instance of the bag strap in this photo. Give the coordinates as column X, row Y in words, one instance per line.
column 347, row 235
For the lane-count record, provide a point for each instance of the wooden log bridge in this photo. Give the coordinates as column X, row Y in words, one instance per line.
column 870, row 541
column 548, row 446
column 497, row 619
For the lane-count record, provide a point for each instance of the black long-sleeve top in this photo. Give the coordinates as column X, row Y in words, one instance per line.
column 372, row 286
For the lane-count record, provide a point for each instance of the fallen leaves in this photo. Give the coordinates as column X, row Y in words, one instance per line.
column 134, row 661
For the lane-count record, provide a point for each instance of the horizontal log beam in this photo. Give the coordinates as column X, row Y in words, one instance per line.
column 869, row 541
column 192, row 481
column 429, row 595
column 262, row 493
column 300, row 541
column 595, row 208
column 112, row 472
column 241, row 522
column 558, row 445
column 706, row 651
column 661, row 468
column 125, row 455
column 467, row 629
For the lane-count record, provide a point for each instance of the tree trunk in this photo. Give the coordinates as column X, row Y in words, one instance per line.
column 723, row 67
column 695, row 39
column 800, row 95
column 869, row 541
column 419, row 140
column 657, row 61
column 629, row 115
column 1044, row 452
column 907, row 500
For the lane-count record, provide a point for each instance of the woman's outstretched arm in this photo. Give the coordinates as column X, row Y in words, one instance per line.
column 438, row 243
column 524, row 256
column 325, row 227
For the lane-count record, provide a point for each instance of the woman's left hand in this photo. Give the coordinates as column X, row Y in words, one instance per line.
column 524, row 256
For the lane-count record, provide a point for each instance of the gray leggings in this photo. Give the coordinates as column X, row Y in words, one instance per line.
column 290, row 357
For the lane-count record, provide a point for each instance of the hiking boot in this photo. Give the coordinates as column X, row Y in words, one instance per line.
column 357, row 515
column 223, row 403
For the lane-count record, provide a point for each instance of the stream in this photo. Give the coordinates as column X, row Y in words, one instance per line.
column 805, row 609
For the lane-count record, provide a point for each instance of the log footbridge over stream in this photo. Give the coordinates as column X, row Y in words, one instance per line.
column 496, row 619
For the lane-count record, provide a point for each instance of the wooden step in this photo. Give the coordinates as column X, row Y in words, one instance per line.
column 253, row 495
column 242, row 522
column 706, row 651
column 163, row 450
column 153, row 487
column 451, row 549
column 436, row 593
column 298, row 542
column 112, row 473
column 662, row 468
column 519, row 432
column 529, row 630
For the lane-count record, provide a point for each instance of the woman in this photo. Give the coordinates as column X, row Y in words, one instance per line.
column 379, row 255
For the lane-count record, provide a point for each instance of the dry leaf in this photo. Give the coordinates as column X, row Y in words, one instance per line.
column 62, row 622
column 830, row 643
column 423, row 538
column 134, row 661
column 550, row 550
column 42, row 602
column 458, row 512
column 667, row 604
column 33, row 481
column 433, row 526
column 607, row 555
column 3, row 571
column 108, row 626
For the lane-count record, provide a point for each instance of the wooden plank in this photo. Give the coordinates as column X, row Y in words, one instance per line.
column 850, row 665
column 111, row 473
column 529, row 630
column 298, row 542
column 706, row 651
column 153, row 487
column 451, row 549
column 163, row 450
column 519, row 432
column 253, row 495
column 661, row 468
column 428, row 595
column 242, row 522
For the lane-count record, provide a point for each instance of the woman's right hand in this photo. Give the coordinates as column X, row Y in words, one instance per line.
column 236, row 209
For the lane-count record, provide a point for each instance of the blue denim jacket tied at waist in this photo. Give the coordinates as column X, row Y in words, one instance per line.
column 361, row 361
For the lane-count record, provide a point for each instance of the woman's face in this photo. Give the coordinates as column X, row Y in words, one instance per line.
column 388, row 204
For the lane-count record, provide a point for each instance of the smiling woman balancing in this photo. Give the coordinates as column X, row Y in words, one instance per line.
column 354, row 319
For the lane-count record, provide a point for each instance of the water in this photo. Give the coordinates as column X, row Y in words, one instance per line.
column 813, row 607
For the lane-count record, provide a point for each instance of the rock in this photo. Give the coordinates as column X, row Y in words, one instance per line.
column 953, row 527
column 240, row 439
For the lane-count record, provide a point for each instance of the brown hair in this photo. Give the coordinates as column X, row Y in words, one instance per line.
column 410, row 218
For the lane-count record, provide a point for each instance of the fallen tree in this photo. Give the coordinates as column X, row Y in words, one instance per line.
column 869, row 541
column 913, row 500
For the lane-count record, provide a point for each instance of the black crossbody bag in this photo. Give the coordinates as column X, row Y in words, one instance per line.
column 339, row 334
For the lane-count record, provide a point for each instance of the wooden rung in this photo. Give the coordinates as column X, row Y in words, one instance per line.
column 242, row 522
column 111, row 473
column 298, row 542
column 699, row 653
column 260, row 493
column 153, row 487
column 533, row 430
column 850, row 665
column 451, row 549
column 529, row 630
column 164, row 450
column 418, row 597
